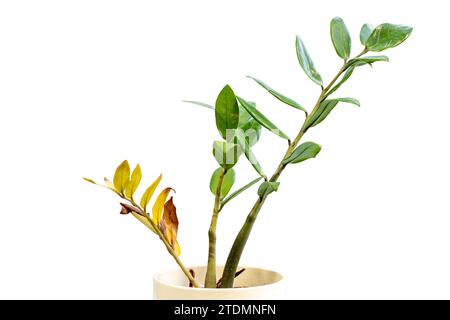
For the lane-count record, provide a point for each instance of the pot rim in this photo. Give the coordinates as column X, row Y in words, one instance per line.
column 156, row 279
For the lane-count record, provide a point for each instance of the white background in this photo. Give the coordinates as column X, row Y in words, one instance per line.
column 86, row 84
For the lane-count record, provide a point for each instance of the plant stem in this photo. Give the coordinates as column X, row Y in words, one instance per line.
column 211, row 279
column 166, row 243
column 239, row 243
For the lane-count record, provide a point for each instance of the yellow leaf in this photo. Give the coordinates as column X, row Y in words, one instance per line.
column 177, row 249
column 89, row 180
column 169, row 223
column 144, row 221
column 122, row 176
column 134, row 182
column 149, row 193
column 109, row 184
column 159, row 205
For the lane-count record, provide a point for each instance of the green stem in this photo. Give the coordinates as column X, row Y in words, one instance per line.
column 211, row 278
column 239, row 243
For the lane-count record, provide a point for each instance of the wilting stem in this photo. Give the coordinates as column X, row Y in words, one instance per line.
column 169, row 248
column 210, row 279
column 241, row 239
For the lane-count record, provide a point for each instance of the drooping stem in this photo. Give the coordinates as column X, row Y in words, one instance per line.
column 210, row 279
column 237, row 249
column 169, row 248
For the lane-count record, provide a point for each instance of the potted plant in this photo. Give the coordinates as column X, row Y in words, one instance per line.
column 240, row 123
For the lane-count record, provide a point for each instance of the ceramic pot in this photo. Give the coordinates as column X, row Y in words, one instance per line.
column 252, row 284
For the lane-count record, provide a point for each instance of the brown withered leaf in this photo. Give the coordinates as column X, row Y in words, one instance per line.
column 169, row 222
column 126, row 209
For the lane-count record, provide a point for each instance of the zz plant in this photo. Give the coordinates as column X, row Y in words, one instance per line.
column 240, row 123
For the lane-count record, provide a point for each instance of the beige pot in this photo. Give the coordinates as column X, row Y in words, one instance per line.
column 252, row 284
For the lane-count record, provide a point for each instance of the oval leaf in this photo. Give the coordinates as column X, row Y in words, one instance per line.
column 226, row 153
column 146, row 197
column 364, row 34
column 157, row 209
column 258, row 116
column 134, row 182
column 306, row 63
column 267, row 187
column 340, row 37
column 227, row 111
column 303, row 152
column 387, row 36
column 279, row 96
column 122, row 176
column 227, row 183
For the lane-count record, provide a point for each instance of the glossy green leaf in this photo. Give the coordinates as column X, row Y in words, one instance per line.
column 226, row 153
column 349, row 100
column 227, row 183
column 121, row 177
column 202, row 104
column 344, row 78
column 367, row 60
column 387, row 36
column 134, row 182
column 279, row 96
column 306, row 63
column 258, row 116
column 324, row 110
column 240, row 190
column 267, row 187
column 249, row 126
column 341, row 38
column 245, row 147
column 227, row 111
column 305, row 151
column 364, row 34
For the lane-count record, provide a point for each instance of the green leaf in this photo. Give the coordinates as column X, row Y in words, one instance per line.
column 340, row 37
column 279, row 96
column 134, row 182
column 366, row 31
column 367, row 60
column 267, row 187
column 121, row 177
column 240, row 190
column 306, row 63
column 324, row 110
column 226, row 153
column 344, row 78
column 258, row 116
column 249, row 126
column 305, row 151
column 227, row 111
column 243, row 143
column 387, row 36
column 202, row 104
column 349, row 100
column 227, row 183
